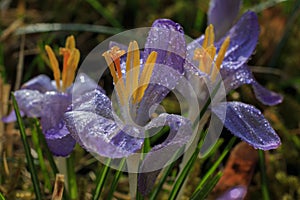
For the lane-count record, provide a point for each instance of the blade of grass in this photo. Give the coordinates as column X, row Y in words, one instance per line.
column 264, row 181
column 49, row 27
column 184, row 173
column 29, row 158
column 102, row 11
column 48, row 153
column 116, row 180
column 73, row 192
column 166, row 173
column 208, row 187
column 36, row 143
column 1, row 197
column 101, row 178
column 216, row 164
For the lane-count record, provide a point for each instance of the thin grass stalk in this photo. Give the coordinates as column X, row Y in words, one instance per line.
column 29, row 158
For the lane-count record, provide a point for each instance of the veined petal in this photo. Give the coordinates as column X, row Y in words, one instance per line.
column 222, row 14
column 93, row 101
column 234, row 78
column 101, row 135
column 243, row 40
column 83, row 83
column 60, row 141
column 167, row 39
column 161, row 154
column 249, row 124
column 264, row 95
column 54, row 106
column 41, row 83
column 30, row 102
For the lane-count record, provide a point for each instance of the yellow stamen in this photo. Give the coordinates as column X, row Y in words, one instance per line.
column 132, row 67
column 70, row 42
column 222, row 52
column 72, row 67
column 209, row 37
column 112, row 58
column 54, row 65
column 145, row 76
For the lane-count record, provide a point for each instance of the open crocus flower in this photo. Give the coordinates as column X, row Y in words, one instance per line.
column 48, row 100
column 228, row 56
column 117, row 129
column 243, row 39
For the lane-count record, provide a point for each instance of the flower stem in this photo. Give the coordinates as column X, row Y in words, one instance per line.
column 29, row 158
column 264, row 181
column 36, row 143
column 71, row 177
column 101, row 178
column 116, row 179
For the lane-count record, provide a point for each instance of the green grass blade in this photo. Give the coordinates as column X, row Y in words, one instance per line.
column 36, row 143
column 45, row 147
column 102, row 11
column 208, row 187
column 116, row 180
column 183, row 175
column 216, row 164
column 101, row 178
column 29, row 158
column 264, row 181
column 73, row 192
column 49, row 27
column 166, row 173
column 1, row 197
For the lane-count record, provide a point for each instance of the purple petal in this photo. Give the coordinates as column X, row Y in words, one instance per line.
column 83, row 83
column 234, row 78
column 243, row 40
column 30, row 102
column 167, row 39
column 235, row 193
column 162, row 154
column 11, row 117
column 54, row 106
column 265, row 96
column 41, row 83
column 222, row 14
column 60, row 143
column 248, row 123
column 93, row 101
column 102, row 136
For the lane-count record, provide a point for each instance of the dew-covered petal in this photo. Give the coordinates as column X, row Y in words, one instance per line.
column 164, row 153
column 41, row 83
column 249, row 124
column 222, row 15
column 234, row 78
column 235, row 193
column 93, row 101
column 266, row 96
column 243, row 40
column 102, row 136
column 60, row 141
column 30, row 102
column 167, row 39
column 83, row 83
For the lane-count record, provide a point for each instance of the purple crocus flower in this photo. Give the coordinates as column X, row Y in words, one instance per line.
column 230, row 54
column 141, row 82
column 48, row 100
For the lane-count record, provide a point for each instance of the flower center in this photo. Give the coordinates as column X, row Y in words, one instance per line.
column 135, row 83
column 206, row 54
column 71, row 57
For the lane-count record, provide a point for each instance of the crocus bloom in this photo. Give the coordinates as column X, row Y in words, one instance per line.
column 142, row 80
column 230, row 54
column 48, row 100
